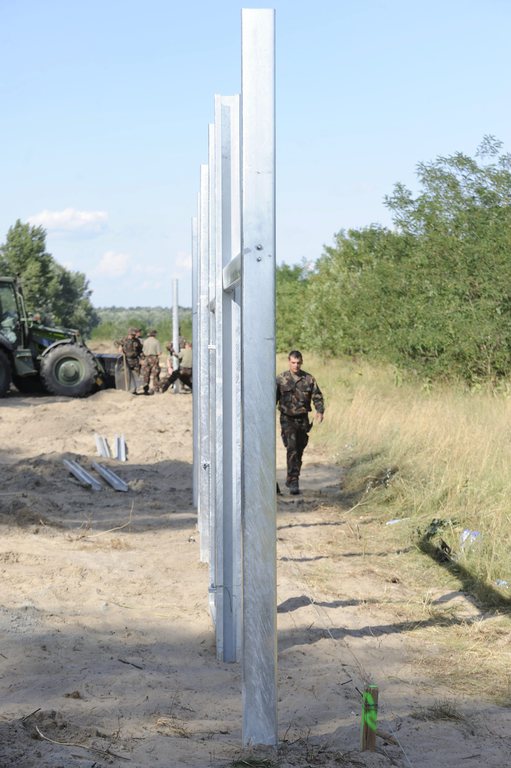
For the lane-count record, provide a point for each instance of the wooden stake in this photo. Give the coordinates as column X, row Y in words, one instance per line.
column 369, row 718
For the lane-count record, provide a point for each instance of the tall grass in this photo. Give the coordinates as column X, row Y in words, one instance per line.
column 450, row 449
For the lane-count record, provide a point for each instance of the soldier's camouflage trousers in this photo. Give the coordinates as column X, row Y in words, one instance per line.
column 133, row 364
column 151, row 367
column 295, row 436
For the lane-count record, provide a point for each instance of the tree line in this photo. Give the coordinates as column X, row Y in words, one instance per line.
column 115, row 321
column 432, row 295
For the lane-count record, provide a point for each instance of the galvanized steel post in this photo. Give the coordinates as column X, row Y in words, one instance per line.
column 175, row 329
column 228, row 501
column 259, row 654
column 202, row 389
column 195, row 357
column 213, row 205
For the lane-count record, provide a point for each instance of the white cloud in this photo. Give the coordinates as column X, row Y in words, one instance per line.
column 71, row 220
column 183, row 262
column 113, row 264
column 150, row 269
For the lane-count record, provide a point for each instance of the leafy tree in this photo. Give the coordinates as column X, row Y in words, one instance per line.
column 24, row 255
column 291, row 291
column 71, row 303
column 435, row 294
column 49, row 288
column 350, row 309
column 459, row 231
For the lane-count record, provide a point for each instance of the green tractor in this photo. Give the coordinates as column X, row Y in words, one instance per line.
column 37, row 358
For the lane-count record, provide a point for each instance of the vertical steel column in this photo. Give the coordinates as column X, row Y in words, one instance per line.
column 220, row 197
column 259, row 662
column 232, row 398
column 175, row 330
column 212, row 238
column 195, row 356
column 228, row 537
column 235, row 408
column 202, row 387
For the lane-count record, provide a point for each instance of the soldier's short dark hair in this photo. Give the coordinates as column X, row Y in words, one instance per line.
column 296, row 354
column 153, row 332
column 132, row 330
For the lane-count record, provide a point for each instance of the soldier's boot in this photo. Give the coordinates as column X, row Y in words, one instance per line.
column 292, row 484
column 294, row 488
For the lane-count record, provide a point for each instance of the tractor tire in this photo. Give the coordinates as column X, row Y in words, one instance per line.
column 5, row 374
column 70, row 370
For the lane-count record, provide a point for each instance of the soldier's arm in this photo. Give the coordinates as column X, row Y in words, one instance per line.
column 317, row 399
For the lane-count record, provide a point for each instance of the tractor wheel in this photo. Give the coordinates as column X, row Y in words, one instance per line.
column 5, row 374
column 69, row 370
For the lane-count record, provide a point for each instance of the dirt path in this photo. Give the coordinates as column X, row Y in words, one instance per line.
column 106, row 647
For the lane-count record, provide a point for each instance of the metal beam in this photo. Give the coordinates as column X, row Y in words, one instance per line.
column 232, row 273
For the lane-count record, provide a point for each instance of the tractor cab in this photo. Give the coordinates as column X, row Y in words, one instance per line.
column 14, row 327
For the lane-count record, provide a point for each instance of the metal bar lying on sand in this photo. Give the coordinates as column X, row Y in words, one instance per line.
column 120, row 451
column 82, row 475
column 111, row 478
column 102, row 446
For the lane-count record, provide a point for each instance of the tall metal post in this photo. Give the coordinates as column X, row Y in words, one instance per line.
column 175, row 329
column 228, row 503
column 175, row 314
column 202, row 390
column 259, row 657
column 195, row 356
column 213, row 204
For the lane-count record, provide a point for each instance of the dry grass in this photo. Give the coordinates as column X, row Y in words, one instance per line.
column 473, row 657
column 438, row 454
column 439, row 710
column 450, row 452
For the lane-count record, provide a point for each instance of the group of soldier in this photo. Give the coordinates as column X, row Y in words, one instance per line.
column 142, row 359
column 297, row 391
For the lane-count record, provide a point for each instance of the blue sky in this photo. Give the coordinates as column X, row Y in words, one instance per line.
column 105, row 105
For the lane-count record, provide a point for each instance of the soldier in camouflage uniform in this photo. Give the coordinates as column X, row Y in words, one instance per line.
column 151, row 363
column 184, row 371
column 131, row 348
column 296, row 390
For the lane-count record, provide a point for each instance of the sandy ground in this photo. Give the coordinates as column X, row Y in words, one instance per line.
column 107, row 653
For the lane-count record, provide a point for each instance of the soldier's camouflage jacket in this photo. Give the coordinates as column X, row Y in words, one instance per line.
column 132, row 349
column 296, row 392
column 131, row 346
